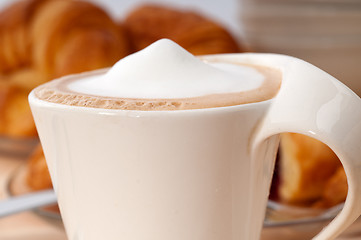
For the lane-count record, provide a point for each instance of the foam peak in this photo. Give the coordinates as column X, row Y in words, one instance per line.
column 166, row 70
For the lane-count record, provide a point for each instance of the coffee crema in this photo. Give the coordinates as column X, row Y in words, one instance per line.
column 164, row 76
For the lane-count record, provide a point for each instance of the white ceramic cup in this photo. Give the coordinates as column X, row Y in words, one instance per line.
column 193, row 174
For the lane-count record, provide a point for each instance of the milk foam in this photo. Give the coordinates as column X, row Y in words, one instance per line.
column 165, row 77
column 164, row 70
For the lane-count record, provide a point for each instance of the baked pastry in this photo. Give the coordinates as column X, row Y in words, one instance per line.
column 309, row 171
column 335, row 191
column 15, row 116
column 44, row 39
column 37, row 174
column 190, row 30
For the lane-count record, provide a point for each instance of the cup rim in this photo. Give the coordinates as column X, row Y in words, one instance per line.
column 245, row 58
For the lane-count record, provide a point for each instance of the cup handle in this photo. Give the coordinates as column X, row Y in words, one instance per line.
column 313, row 103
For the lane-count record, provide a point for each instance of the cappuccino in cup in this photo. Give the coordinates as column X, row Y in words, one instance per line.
column 165, row 145
column 165, row 77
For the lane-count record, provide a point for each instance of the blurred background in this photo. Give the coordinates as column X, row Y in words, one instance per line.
column 326, row 33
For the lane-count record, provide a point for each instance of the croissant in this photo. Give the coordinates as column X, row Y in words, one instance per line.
column 45, row 39
column 335, row 191
column 310, row 172
column 190, row 30
column 37, row 175
column 15, row 116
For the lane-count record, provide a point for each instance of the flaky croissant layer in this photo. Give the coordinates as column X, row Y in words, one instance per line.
column 44, row 39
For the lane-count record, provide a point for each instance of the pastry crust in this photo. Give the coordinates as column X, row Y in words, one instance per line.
column 190, row 30
column 309, row 172
column 37, row 174
column 335, row 191
column 15, row 117
column 79, row 37
column 44, row 39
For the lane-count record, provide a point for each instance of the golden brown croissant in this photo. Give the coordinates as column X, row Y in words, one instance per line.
column 78, row 37
column 37, row 175
column 335, row 191
column 44, row 39
column 309, row 172
column 15, row 117
column 190, row 30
